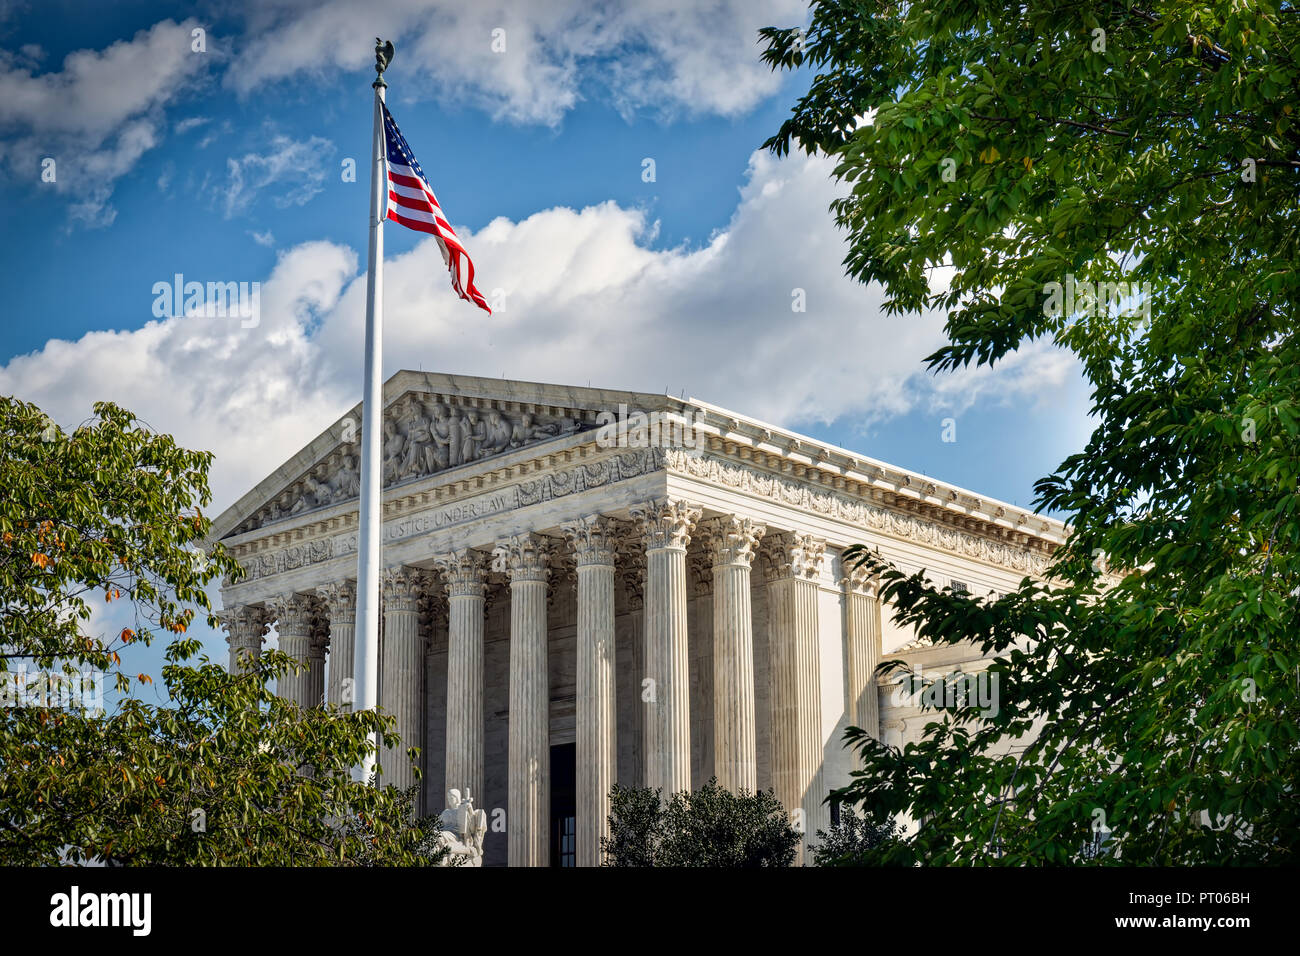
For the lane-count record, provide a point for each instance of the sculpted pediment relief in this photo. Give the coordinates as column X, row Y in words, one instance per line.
column 423, row 434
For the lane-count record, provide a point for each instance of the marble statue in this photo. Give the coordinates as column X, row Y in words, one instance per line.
column 347, row 480
column 498, row 432
column 446, row 440
column 472, row 434
column 394, row 450
column 463, row 829
column 420, row 452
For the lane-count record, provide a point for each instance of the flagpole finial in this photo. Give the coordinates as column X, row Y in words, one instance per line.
column 383, row 56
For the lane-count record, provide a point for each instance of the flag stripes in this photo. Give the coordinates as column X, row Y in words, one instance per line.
column 411, row 203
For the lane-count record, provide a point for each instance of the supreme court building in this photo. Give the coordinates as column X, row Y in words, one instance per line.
column 586, row 587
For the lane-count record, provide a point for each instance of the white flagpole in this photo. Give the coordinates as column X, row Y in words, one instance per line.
column 366, row 664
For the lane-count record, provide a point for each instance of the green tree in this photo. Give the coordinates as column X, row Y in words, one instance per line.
column 1031, row 149
column 226, row 772
column 711, row 827
column 854, row 841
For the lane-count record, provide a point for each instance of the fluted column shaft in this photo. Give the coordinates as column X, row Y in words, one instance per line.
column 597, row 753
column 666, row 527
column 465, row 572
column 862, row 614
column 295, row 623
column 340, row 600
column 246, row 628
column 402, row 672
column 524, row 559
column 731, row 542
column 797, row 757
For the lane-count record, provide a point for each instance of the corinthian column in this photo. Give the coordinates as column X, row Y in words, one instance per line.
column 666, row 527
column 402, row 671
column 525, row 559
column 794, row 567
column 246, row 628
column 731, row 542
column 593, row 547
column 466, row 573
column 862, row 613
column 295, row 620
column 340, row 601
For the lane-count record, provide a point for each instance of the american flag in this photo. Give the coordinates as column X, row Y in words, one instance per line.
column 411, row 203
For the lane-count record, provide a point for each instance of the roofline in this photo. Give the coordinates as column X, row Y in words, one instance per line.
column 727, row 424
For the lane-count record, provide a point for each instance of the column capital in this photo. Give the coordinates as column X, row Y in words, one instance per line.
column 402, row 587
column 524, row 557
column 594, row 539
column 731, row 539
column 294, row 613
column 666, row 522
column 339, row 597
column 464, row 570
column 860, row 580
column 793, row 554
column 245, row 624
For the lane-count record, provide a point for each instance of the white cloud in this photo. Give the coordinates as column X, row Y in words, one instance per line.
column 97, row 115
column 191, row 122
column 293, row 167
column 263, row 238
column 586, row 300
column 661, row 55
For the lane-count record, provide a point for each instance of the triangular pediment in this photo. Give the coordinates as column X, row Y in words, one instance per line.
column 433, row 423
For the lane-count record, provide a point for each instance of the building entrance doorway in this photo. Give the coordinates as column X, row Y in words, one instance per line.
column 564, row 804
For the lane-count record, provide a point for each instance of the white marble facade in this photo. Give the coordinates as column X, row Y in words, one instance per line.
column 668, row 596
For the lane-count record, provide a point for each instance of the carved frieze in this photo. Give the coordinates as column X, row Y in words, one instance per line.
column 422, row 435
column 864, row 514
column 615, row 468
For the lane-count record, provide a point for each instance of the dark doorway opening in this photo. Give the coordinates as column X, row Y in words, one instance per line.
column 564, row 804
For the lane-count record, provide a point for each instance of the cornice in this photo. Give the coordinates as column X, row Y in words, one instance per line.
column 863, row 506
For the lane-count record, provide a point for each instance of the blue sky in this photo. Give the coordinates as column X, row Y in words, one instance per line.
column 224, row 164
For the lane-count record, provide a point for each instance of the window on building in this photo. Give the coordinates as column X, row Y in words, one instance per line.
column 564, row 841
